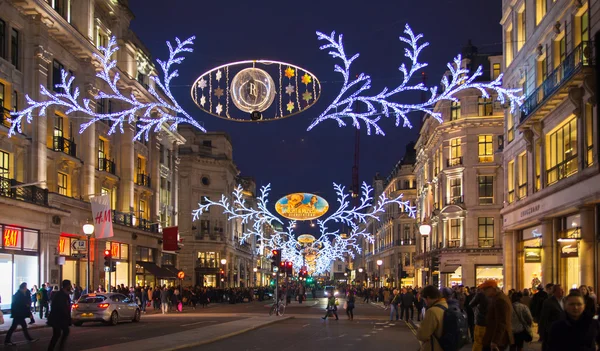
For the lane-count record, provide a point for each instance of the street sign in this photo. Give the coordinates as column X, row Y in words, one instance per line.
column 79, row 245
column 107, row 269
column 181, row 274
column 79, row 255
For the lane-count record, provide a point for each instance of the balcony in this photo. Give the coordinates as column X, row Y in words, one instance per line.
column 454, row 243
column 407, row 241
column 486, row 242
column 4, row 117
column 143, row 180
column 64, row 145
column 106, row 165
column 147, row 226
column 562, row 170
column 582, row 56
column 31, row 193
column 455, row 200
column 127, row 219
column 453, row 162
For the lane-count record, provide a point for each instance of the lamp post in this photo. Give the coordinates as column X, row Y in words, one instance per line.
column 88, row 230
column 425, row 230
column 255, row 270
column 224, row 264
column 379, row 263
column 360, row 270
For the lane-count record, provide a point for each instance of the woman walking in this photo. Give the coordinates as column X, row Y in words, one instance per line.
column 578, row 331
column 521, row 322
column 590, row 303
column 350, row 301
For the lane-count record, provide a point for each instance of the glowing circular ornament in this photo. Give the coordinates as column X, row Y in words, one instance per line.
column 301, row 206
column 252, row 89
column 306, row 239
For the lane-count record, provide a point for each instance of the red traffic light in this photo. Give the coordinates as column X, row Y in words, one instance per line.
column 282, row 264
column 107, row 253
column 289, row 264
column 275, row 252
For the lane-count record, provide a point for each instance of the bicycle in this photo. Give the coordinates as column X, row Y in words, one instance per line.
column 278, row 308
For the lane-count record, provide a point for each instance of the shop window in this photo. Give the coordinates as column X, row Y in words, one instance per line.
column 522, row 175
column 589, row 134
column 30, row 240
column 483, row 273
column 2, row 39
column 455, row 233
column 486, row 148
column 510, row 169
column 561, row 151
column 455, row 110
column 486, row 190
column 486, row 231
column 62, row 184
column 540, row 11
column 12, row 238
column 14, row 49
column 168, row 259
column 496, row 70
column 209, row 259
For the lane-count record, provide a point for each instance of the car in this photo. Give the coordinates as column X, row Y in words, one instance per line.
column 110, row 308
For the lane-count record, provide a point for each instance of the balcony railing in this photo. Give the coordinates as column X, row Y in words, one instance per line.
column 146, row 225
column 143, row 180
column 454, row 243
column 126, row 219
column 581, row 56
column 10, row 188
column 456, row 161
column 407, row 241
column 455, row 200
column 64, row 145
column 4, row 116
column 486, row 242
column 562, row 170
column 106, row 165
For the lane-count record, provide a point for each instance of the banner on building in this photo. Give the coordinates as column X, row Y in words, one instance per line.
column 170, row 238
column 102, row 214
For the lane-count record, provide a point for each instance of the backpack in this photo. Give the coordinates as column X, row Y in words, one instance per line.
column 455, row 331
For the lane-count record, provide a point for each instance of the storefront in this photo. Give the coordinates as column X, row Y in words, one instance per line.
column 120, row 255
column 19, row 260
column 73, row 268
column 489, row 272
column 568, row 246
column 532, row 257
column 147, row 272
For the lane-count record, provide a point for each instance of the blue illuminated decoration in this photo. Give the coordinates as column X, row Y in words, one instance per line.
column 354, row 92
column 148, row 115
column 331, row 244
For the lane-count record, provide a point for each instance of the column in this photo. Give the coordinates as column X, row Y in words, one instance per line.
column 586, row 246
column 444, row 233
column 154, row 172
column 175, row 183
column 39, row 127
column 509, row 260
column 548, row 271
column 127, row 171
column 82, row 17
column 89, row 156
column 462, row 232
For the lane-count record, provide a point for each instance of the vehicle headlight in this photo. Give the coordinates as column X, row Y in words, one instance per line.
column 335, row 293
column 326, row 293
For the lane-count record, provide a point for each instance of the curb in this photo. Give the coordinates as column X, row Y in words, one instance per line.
column 225, row 336
column 3, row 332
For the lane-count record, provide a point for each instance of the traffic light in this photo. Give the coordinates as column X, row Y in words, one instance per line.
column 289, row 268
column 113, row 266
column 107, row 261
column 276, row 257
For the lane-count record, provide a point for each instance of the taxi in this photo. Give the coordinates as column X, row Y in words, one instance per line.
column 110, row 308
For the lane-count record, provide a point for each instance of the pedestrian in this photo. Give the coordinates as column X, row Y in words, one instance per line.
column 30, row 298
column 420, row 305
column 432, row 326
column 393, row 303
column 470, row 295
column 579, row 331
column 552, row 311
column 521, row 322
column 406, row 304
column 20, row 309
column 590, row 303
column 60, row 316
column 34, row 298
column 164, row 299
column 331, row 307
column 498, row 332
column 43, row 301
column 480, row 305
column 350, row 305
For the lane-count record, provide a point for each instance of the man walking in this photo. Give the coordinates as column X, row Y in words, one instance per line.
column 406, row 304
column 43, row 301
column 20, row 309
column 164, row 299
column 60, row 316
column 480, row 305
column 432, row 326
column 552, row 311
column 498, row 332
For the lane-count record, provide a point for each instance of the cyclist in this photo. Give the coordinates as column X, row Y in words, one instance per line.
column 331, row 307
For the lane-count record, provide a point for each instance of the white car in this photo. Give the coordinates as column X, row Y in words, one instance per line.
column 110, row 308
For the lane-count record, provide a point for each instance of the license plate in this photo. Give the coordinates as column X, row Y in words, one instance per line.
column 87, row 315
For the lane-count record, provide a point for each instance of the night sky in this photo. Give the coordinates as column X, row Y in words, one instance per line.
column 283, row 153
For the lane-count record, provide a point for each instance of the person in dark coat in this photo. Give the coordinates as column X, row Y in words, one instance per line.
column 60, row 316
column 20, row 309
column 43, row 301
column 579, row 331
column 537, row 301
column 552, row 311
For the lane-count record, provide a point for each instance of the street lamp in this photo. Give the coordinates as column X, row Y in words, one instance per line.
column 425, row 230
column 379, row 263
column 88, row 230
column 255, row 270
column 223, row 263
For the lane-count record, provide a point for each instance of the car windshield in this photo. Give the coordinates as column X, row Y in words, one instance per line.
column 91, row 299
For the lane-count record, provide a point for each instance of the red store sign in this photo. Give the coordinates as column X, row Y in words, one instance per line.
column 11, row 238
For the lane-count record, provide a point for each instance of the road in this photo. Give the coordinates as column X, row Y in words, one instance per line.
column 305, row 331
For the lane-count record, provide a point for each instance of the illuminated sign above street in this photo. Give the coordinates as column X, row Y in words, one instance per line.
column 301, row 206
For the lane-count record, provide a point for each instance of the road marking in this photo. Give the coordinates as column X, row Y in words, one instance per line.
column 306, row 325
column 341, row 336
column 187, row 325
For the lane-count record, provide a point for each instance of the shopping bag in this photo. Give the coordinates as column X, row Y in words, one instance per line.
column 179, row 307
column 345, row 305
column 1, row 318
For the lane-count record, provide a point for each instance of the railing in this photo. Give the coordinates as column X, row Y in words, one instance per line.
column 454, row 243
column 65, row 145
column 455, row 200
column 10, row 188
column 486, row 242
column 407, row 241
column 4, row 117
column 456, row 161
column 106, row 165
column 146, row 225
column 562, row 170
column 127, row 219
column 143, row 179
column 486, row 200
column 581, row 56
column 522, row 191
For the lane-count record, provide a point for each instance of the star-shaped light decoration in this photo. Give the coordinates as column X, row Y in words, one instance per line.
column 218, row 75
column 289, row 89
column 306, row 79
column 218, row 92
column 203, row 100
column 307, row 96
column 289, row 72
column 219, row 109
column 290, row 106
column 202, row 83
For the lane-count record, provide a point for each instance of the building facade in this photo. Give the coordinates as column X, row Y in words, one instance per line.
column 551, row 213
column 207, row 170
column 394, row 234
column 49, row 172
column 460, row 185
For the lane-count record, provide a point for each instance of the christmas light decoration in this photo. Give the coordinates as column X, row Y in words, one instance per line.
column 354, row 92
column 149, row 115
column 330, row 245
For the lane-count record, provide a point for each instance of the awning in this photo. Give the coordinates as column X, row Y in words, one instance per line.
column 157, row 271
column 449, row 269
column 171, row 269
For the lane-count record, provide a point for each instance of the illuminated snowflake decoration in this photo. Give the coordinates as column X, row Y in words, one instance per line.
column 355, row 92
column 330, row 245
column 148, row 115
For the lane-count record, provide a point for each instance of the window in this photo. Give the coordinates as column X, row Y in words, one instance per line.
column 455, row 233
column 508, row 46
column 207, row 143
column 101, row 106
column 589, row 134
column 561, row 152
column 542, row 70
column 455, row 191
column 486, row 231
column 339, row 267
column 144, row 254
column 496, row 70
column 62, row 183
column 2, row 92
column 485, row 106
column 455, row 110
column 4, row 168
column 406, row 184
column 101, row 154
column 169, row 154
column 455, row 153
column 15, row 101
column 540, row 10
column 522, row 174
column 486, row 190
column 511, row 181
column 538, row 164
column 522, row 32
column 2, row 39
column 140, row 168
column 585, row 26
column 57, row 69
column 112, row 195
column 510, row 127
column 142, row 209
column 142, row 79
column 406, row 236
column 204, row 226
column 101, row 39
column 14, row 48
column 486, row 148
column 209, row 259
column 168, row 259
column 63, row 7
